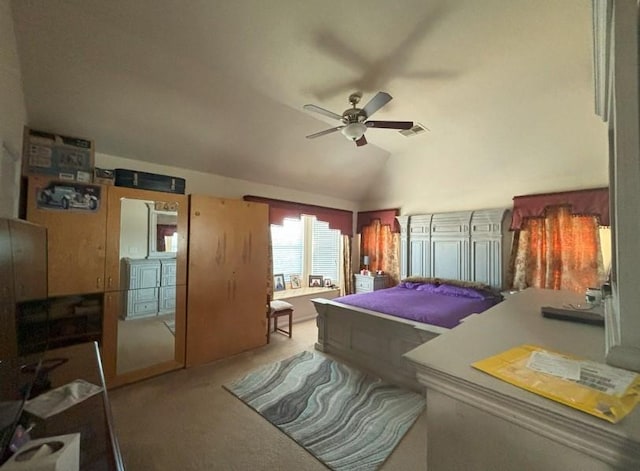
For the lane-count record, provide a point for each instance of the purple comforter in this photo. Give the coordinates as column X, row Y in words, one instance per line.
column 443, row 305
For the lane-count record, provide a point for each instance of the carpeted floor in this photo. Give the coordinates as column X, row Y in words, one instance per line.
column 186, row 421
column 346, row 418
column 143, row 342
column 171, row 325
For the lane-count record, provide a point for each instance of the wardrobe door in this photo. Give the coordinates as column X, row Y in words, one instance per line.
column 227, row 282
column 145, row 230
column 250, row 276
column 75, row 217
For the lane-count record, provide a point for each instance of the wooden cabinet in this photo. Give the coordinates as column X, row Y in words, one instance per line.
column 8, row 337
column 76, row 234
column 368, row 283
column 28, row 246
column 227, row 287
column 23, row 275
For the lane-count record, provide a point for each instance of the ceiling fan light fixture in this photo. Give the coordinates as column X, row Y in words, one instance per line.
column 354, row 131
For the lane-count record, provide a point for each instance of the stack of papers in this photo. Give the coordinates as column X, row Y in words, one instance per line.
column 60, row 399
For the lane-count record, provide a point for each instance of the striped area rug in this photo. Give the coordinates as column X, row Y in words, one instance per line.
column 347, row 419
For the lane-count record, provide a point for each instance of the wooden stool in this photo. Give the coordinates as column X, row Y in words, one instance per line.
column 279, row 309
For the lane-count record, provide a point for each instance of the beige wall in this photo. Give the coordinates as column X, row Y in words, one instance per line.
column 216, row 185
column 134, row 235
column 13, row 114
column 520, row 120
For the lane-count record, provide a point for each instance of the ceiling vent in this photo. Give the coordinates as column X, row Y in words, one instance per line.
column 416, row 129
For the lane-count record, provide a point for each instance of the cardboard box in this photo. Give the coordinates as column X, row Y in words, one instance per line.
column 62, row 157
column 104, row 176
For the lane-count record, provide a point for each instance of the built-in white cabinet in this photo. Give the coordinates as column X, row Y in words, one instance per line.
column 150, row 287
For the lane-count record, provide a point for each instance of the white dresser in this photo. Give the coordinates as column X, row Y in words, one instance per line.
column 478, row 422
column 368, row 283
column 149, row 287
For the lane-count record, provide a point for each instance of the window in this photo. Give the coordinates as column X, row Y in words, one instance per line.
column 288, row 248
column 306, row 247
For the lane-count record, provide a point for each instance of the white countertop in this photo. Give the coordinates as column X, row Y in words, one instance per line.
column 514, row 322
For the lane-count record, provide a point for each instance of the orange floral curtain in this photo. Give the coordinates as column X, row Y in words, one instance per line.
column 559, row 251
column 380, row 244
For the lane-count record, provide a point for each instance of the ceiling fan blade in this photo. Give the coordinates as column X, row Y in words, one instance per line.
column 377, row 102
column 341, row 50
column 441, row 74
column 326, row 131
column 362, row 141
column 389, row 124
column 317, row 109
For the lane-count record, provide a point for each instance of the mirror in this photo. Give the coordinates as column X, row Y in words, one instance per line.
column 148, row 249
column 163, row 229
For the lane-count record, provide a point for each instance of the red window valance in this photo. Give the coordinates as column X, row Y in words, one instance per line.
column 593, row 202
column 386, row 216
column 340, row 219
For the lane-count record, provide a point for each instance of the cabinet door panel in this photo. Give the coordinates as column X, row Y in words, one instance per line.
column 29, row 249
column 75, row 242
column 6, row 263
column 8, row 343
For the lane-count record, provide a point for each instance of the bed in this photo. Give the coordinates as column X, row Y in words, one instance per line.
column 464, row 249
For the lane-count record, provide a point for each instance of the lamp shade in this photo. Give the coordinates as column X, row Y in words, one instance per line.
column 354, row 131
column 365, row 260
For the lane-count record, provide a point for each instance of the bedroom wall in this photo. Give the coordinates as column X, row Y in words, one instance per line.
column 223, row 187
column 134, row 234
column 537, row 133
column 13, row 115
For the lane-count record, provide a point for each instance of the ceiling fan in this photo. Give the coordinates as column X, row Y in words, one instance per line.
column 354, row 120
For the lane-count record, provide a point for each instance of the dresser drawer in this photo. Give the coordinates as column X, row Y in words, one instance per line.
column 367, row 283
column 363, row 284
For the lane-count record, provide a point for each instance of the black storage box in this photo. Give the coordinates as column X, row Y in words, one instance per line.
column 149, row 181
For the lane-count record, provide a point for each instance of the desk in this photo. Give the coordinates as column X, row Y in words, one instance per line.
column 99, row 449
column 478, row 422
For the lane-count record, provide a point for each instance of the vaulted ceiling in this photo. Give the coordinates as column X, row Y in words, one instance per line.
column 218, row 86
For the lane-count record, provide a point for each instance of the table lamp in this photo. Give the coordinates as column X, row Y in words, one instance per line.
column 365, row 262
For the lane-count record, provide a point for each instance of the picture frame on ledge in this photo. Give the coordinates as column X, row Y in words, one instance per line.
column 278, row 282
column 315, row 281
column 327, row 283
column 296, row 282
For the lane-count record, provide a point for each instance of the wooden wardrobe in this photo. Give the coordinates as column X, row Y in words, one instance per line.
column 227, row 285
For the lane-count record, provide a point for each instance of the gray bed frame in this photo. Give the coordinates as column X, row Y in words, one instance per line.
column 462, row 245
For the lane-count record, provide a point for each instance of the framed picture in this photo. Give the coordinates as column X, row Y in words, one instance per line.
column 278, row 282
column 327, row 283
column 315, row 281
column 296, row 282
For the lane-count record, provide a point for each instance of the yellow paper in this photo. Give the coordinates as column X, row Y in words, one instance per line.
column 601, row 390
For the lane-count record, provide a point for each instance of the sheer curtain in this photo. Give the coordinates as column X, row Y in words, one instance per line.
column 346, row 280
column 558, row 251
column 381, row 245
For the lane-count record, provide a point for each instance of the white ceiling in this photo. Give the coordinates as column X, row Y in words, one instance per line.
column 218, row 85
